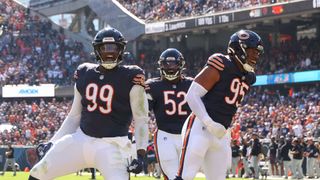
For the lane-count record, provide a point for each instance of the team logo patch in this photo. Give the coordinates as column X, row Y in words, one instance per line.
column 243, row 35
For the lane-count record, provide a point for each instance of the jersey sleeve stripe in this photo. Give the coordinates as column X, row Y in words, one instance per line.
column 214, row 60
column 185, row 144
column 215, row 66
column 218, row 58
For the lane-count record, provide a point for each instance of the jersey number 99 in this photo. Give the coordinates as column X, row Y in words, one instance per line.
column 105, row 94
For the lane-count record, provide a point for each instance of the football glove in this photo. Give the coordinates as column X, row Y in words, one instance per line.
column 215, row 128
column 136, row 166
column 42, row 149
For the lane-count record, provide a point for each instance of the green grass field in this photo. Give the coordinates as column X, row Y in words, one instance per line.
column 24, row 176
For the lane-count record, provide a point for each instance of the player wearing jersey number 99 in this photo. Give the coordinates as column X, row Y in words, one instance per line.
column 213, row 97
column 107, row 96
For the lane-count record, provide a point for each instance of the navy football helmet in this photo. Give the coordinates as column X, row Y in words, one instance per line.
column 171, row 63
column 109, row 45
column 240, row 48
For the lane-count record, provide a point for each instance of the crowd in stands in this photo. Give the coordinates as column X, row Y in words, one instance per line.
column 285, row 116
column 290, row 56
column 32, row 122
column 160, row 10
column 32, row 51
column 267, row 112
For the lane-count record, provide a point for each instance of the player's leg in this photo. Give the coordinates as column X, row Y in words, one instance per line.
column 5, row 166
column 194, row 148
column 166, row 153
column 218, row 158
column 13, row 166
column 112, row 158
column 65, row 157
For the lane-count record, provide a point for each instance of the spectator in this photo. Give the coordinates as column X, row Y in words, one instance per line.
column 235, row 149
column 10, row 160
column 284, row 155
column 297, row 153
column 273, row 149
column 311, row 152
column 255, row 153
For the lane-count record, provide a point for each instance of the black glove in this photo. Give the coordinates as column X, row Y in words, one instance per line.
column 136, row 166
column 42, row 149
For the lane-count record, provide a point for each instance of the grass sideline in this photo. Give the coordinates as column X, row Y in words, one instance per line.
column 85, row 176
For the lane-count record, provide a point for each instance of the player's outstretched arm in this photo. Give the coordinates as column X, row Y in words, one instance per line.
column 72, row 121
column 139, row 106
column 203, row 82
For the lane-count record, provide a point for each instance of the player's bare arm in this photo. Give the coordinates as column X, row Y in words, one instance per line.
column 208, row 77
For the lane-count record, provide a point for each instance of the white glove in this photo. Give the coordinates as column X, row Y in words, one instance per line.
column 215, row 128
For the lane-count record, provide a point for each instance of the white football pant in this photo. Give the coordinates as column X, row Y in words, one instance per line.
column 78, row 151
column 168, row 149
column 202, row 149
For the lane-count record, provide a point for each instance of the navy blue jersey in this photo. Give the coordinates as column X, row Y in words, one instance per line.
column 222, row 100
column 106, row 110
column 168, row 103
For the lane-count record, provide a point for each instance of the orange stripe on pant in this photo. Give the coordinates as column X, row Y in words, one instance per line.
column 185, row 143
column 157, row 155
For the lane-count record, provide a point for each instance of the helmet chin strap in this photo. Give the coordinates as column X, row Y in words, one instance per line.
column 170, row 77
column 245, row 66
column 109, row 65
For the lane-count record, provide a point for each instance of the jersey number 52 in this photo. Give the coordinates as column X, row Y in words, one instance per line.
column 173, row 103
column 105, row 94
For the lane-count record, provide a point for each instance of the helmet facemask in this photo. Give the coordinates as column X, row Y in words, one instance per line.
column 109, row 54
column 109, row 45
column 248, row 56
column 170, row 68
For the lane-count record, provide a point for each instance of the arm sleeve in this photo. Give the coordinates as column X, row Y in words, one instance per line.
column 139, row 107
column 72, row 121
column 194, row 95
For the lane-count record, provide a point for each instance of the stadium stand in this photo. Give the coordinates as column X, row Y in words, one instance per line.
column 32, row 52
column 174, row 9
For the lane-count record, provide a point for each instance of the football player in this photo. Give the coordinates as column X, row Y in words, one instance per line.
column 213, row 97
column 94, row 134
column 166, row 95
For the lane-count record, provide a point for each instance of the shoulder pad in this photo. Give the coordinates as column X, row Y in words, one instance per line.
column 87, row 65
column 151, row 81
column 83, row 67
column 216, row 61
column 137, row 75
column 134, row 68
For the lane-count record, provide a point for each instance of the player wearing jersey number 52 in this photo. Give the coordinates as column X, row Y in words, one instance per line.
column 213, row 97
column 94, row 134
column 166, row 96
